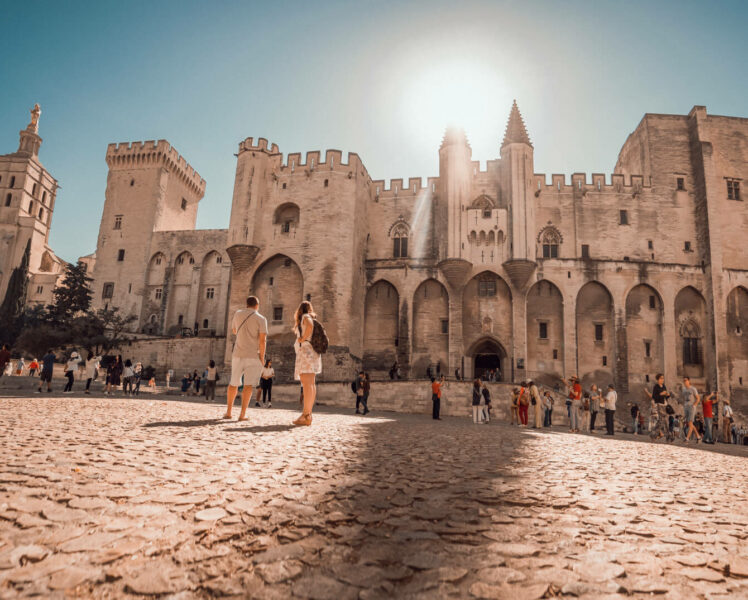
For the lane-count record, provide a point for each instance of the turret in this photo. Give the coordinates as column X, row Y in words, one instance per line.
column 455, row 155
column 517, row 168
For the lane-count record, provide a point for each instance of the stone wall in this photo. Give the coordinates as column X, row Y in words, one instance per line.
column 181, row 355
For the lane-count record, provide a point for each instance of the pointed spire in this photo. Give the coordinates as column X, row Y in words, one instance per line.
column 454, row 136
column 515, row 129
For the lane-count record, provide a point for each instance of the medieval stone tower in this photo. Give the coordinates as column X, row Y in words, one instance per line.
column 150, row 189
column 27, row 201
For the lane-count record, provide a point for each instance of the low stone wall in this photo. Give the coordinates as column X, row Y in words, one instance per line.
column 180, row 354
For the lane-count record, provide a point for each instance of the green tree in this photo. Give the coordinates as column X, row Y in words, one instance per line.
column 72, row 296
column 12, row 308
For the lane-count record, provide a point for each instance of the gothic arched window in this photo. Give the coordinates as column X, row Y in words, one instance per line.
column 399, row 234
column 550, row 238
column 690, row 332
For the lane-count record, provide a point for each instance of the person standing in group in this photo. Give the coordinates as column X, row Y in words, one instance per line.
column 4, row 358
column 691, row 399
column 708, row 408
column 635, row 417
column 114, row 375
column 48, row 367
column 91, row 364
column 486, row 403
column 308, row 360
column 127, row 378
column 367, row 391
column 266, row 383
column 137, row 377
column 536, row 404
column 585, row 412
column 548, row 405
column 610, row 410
column 595, row 398
column 477, row 413
column 515, row 407
column 196, row 383
column 70, row 368
column 659, row 398
column 358, row 388
column 33, row 367
column 524, row 402
column 436, row 398
column 20, row 366
column 211, row 377
column 247, row 356
column 726, row 422
column 575, row 397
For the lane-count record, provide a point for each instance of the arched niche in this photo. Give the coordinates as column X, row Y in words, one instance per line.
column 430, row 327
column 381, row 318
column 595, row 334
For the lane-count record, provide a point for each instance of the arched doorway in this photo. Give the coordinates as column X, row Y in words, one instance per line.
column 489, row 357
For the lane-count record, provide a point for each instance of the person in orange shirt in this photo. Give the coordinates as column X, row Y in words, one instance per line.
column 436, row 398
column 33, row 367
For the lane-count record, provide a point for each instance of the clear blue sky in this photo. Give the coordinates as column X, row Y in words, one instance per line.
column 379, row 78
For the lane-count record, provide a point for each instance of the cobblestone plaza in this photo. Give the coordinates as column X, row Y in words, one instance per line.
column 118, row 497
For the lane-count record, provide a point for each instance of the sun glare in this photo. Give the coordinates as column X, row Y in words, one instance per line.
column 464, row 94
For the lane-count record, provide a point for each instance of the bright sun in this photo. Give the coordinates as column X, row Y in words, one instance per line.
column 465, row 94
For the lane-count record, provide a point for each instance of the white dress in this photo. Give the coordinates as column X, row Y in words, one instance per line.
column 307, row 360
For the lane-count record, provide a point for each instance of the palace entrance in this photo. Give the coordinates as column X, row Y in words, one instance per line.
column 488, row 356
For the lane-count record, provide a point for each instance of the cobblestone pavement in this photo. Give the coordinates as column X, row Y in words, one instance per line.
column 114, row 497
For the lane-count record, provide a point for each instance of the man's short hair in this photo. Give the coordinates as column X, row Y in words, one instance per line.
column 252, row 302
column 686, row 378
column 658, row 376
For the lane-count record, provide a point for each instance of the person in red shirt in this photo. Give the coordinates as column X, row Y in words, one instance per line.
column 524, row 400
column 707, row 404
column 436, row 397
column 33, row 367
column 4, row 358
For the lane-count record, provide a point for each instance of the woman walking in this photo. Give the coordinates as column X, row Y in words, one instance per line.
column 70, row 368
column 114, row 374
column 477, row 416
column 595, row 398
column 210, row 380
column 266, row 383
column 524, row 402
column 487, row 404
column 91, row 364
column 308, row 362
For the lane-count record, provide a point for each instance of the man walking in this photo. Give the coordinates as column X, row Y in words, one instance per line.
column 691, row 400
column 726, row 421
column 610, row 409
column 436, row 398
column 659, row 398
column 248, row 355
column 535, row 401
column 708, row 408
column 48, row 367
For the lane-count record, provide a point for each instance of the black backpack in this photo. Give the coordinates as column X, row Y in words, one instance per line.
column 319, row 339
column 353, row 386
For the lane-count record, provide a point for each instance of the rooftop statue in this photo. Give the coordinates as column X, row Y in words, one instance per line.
column 33, row 126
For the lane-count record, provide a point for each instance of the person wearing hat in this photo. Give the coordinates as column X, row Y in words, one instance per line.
column 70, row 368
column 536, row 404
column 610, row 409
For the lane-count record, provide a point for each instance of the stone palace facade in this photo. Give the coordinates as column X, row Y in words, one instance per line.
column 612, row 278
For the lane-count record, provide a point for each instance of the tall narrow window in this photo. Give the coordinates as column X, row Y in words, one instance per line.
column 543, row 330
column 210, row 293
column 205, row 323
column 184, row 204
column 108, row 290
column 648, row 349
column 13, row 181
column 277, row 313
column 585, row 251
column 180, row 320
column 733, row 189
column 158, row 294
column 33, row 190
column 445, row 325
column 550, row 239
column 623, row 217
column 400, row 241
column 120, row 255
column 158, row 260
column 118, row 221
column 687, row 247
column 598, row 332
column 691, row 351
column 680, row 184
column 8, row 199
column 652, row 302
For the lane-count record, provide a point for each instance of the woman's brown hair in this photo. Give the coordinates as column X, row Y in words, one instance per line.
column 305, row 308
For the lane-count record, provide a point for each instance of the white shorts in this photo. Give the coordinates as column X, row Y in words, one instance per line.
column 249, row 368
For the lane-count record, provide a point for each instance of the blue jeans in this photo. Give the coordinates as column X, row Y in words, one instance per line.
column 708, row 429
column 547, row 418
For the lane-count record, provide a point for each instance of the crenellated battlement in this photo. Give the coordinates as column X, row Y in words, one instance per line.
column 261, row 146
column 129, row 155
column 397, row 188
column 619, row 183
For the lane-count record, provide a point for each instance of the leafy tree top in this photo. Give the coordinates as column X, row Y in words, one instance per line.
column 73, row 295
